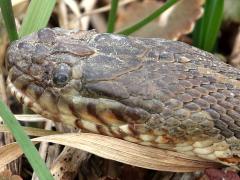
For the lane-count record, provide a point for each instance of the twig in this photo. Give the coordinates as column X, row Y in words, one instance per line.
column 29, row 118
column 105, row 8
column 43, row 147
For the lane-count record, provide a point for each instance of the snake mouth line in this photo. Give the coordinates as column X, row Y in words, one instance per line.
column 24, row 99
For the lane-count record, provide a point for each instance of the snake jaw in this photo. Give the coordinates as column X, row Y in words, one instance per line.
column 27, row 101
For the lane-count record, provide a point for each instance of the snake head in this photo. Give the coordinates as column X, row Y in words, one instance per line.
column 61, row 75
column 64, row 75
column 46, row 64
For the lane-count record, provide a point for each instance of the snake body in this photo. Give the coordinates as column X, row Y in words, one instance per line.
column 154, row 92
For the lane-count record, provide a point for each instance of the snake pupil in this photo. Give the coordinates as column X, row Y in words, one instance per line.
column 60, row 79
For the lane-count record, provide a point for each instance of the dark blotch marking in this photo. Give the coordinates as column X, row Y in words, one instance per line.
column 118, row 114
column 24, row 87
column 78, row 123
column 100, row 129
column 132, row 129
column 74, row 112
column 91, row 108
column 114, row 134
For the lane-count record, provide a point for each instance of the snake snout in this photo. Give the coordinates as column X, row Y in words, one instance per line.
column 11, row 55
column 19, row 51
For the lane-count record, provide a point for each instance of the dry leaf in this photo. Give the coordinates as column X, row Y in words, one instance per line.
column 130, row 153
column 176, row 21
column 231, row 11
column 118, row 150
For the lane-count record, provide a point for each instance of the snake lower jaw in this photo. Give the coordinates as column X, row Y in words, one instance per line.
column 25, row 100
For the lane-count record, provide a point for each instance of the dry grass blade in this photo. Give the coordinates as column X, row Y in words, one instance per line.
column 32, row 131
column 29, row 118
column 130, row 153
column 106, row 8
column 86, row 6
column 19, row 7
column 9, row 153
column 73, row 6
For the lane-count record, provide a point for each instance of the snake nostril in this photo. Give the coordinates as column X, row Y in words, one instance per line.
column 25, row 46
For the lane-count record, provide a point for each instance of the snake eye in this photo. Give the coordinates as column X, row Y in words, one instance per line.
column 61, row 75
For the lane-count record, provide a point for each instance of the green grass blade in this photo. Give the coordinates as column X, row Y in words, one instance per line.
column 112, row 16
column 37, row 17
column 38, row 14
column 198, row 34
column 26, row 145
column 149, row 18
column 7, row 13
column 208, row 27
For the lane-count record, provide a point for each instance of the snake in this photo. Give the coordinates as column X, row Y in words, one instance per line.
column 150, row 91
